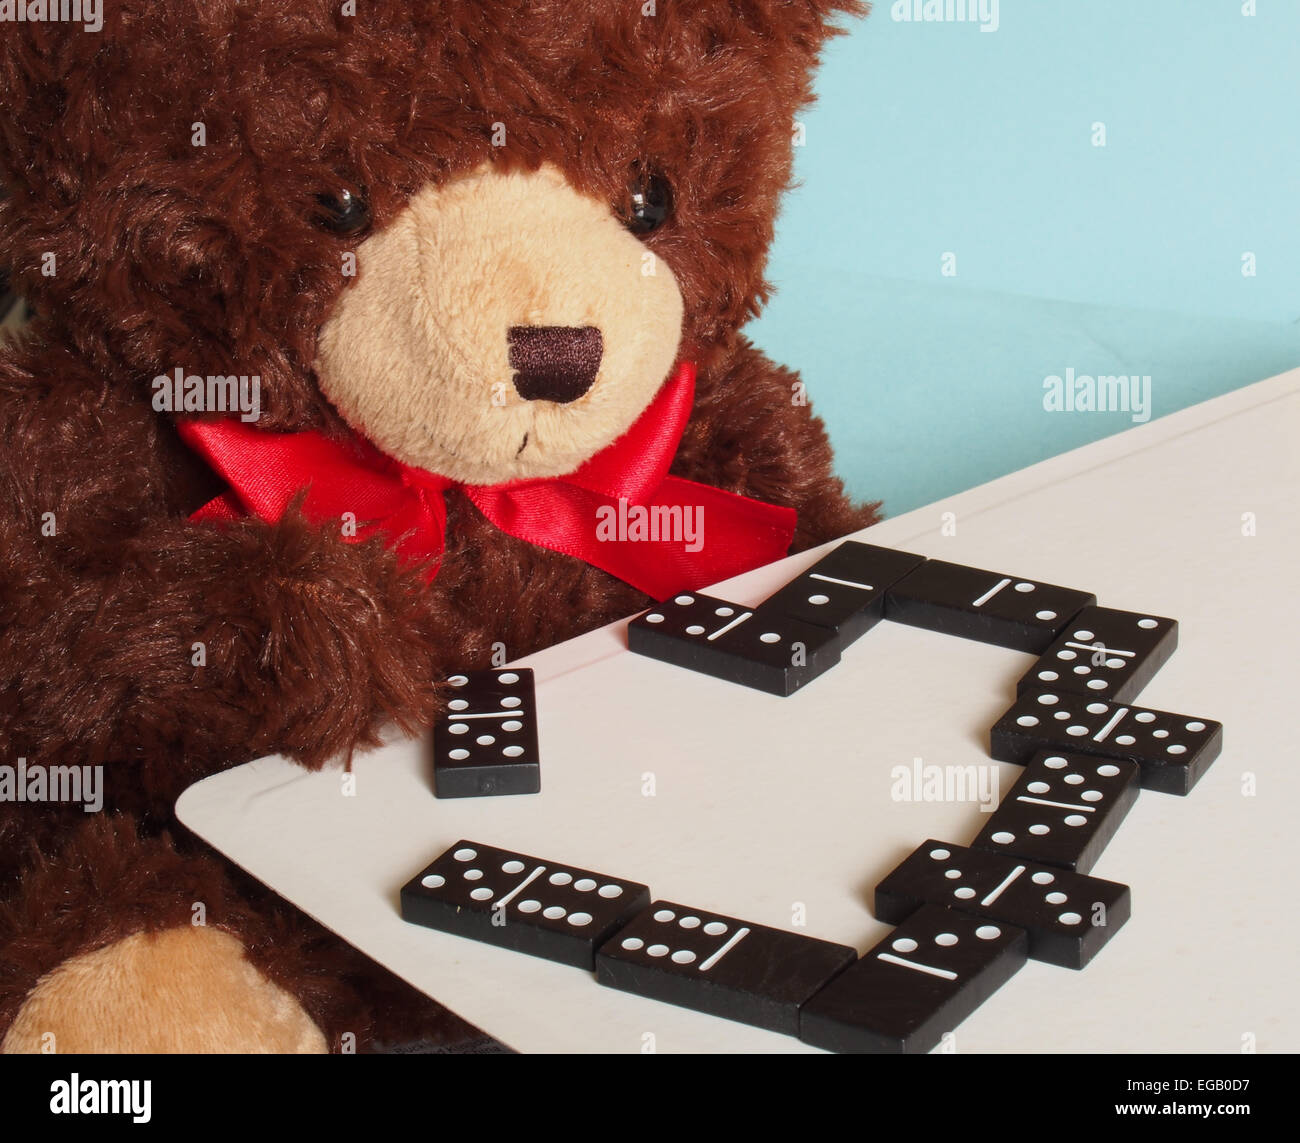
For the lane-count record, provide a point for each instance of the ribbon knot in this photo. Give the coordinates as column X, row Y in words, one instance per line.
column 569, row 514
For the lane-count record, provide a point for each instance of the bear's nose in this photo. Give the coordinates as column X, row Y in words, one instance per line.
column 554, row 362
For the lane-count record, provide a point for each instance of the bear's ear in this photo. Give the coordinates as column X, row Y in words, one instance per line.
column 813, row 22
column 769, row 48
column 822, row 16
column 799, row 25
column 803, row 25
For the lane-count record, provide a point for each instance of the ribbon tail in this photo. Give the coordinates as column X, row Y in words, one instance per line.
column 683, row 537
column 418, row 530
column 226, row 507
column 342, row 485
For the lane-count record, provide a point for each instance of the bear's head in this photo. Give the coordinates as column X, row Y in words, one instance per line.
column 480, row 232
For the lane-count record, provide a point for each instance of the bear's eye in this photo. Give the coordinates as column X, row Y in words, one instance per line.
column 650, row 202
column 344, row 212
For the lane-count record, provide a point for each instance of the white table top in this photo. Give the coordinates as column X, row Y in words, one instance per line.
column 762, row 805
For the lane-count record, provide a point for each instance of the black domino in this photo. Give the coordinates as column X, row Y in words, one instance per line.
column 776, row 654
column 1104, row 653
column 1062, row 810
column 522, row 903
column 720, row 965
column 1068, row 916
column 844, row 590
column 1172, row 750
column 916, row 985
column 989, row 606
column 486, row 742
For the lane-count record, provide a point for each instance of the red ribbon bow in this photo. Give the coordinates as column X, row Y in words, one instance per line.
column 623, row 484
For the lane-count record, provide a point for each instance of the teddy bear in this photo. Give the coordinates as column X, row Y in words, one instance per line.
column 354, row 323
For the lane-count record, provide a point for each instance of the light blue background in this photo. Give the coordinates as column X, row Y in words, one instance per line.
column 1125, row 259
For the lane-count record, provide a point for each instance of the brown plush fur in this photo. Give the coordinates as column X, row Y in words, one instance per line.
column 207, row 258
